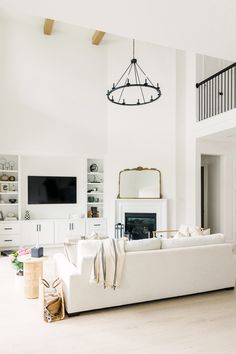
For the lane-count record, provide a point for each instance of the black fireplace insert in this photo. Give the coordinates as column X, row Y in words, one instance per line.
column 140, row 225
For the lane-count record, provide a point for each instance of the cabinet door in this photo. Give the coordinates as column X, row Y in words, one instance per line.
column 46, row 233
column 37, row 232
column 29, row 233
column 78, row 228
column 97, row 225
column 62, row 231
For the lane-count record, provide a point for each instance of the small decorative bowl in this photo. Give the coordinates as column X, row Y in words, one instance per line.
column 12, row 200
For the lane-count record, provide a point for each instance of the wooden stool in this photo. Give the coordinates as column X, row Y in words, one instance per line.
column 33, row 271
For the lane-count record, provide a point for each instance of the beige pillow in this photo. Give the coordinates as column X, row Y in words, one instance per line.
column 184, row 230
column 195, row 231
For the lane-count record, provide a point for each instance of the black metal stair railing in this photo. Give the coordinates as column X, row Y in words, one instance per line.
column 217, row 94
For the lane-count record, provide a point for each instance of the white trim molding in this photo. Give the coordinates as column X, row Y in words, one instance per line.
column 158, row 206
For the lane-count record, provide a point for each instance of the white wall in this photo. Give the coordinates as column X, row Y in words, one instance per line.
column 53, row 104
column 52, row 89
column 207, row 66
column 142, row 136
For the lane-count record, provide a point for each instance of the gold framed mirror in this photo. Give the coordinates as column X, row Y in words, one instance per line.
column 139, row 183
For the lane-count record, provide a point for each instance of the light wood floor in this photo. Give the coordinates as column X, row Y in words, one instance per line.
column 196, row 324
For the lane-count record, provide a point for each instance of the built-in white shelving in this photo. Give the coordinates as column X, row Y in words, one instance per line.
column 9, row 189
column 95, row 181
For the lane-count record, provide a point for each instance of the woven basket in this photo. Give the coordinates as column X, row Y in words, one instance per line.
column 52, row 300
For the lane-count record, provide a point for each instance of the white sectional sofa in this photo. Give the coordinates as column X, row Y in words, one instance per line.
column 149, row 275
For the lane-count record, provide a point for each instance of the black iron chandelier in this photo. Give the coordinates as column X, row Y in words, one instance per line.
column 134, row 88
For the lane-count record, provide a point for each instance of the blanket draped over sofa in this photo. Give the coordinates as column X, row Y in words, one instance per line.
column 108, row 263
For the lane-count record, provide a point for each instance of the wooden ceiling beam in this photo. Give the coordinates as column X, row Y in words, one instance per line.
column 97, row 37
column 48, row 26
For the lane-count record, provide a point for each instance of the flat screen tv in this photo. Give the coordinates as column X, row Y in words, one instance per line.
column 51, row 190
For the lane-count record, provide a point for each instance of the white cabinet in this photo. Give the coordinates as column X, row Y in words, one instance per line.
column 10, row 234
column 48, row 232
column 69, row 228
column 34, row 232
column 98, row 225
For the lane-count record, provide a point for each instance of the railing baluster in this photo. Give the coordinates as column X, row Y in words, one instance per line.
column 231, row 88
column 227, row 90
column 217, row 94
column 212, row 96
column 207, row 84
column 234, row 87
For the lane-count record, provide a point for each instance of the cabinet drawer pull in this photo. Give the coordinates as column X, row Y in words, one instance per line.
column 7, row 228
column 97, row 225
column 7, row 240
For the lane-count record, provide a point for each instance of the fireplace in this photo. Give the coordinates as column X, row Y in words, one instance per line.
column 140, row 225
column 157, row 208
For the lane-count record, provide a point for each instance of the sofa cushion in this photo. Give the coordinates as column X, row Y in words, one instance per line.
column 192, row 241
column 146, row 244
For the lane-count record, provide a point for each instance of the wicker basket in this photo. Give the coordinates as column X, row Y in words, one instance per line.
column 52, row 300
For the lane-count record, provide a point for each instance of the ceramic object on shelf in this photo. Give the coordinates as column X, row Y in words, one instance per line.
column 27, row 215
column 12, row 178
column 93, row 167
column 4, row 177
column 12, row 165
column 12, row 200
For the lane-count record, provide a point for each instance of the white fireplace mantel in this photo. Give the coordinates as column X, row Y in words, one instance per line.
column 157, row 206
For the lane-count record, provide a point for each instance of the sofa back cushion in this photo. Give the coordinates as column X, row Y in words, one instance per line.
column 192, row 241
column 146, row 244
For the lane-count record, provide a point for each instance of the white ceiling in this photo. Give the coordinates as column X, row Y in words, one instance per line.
column 203, row 26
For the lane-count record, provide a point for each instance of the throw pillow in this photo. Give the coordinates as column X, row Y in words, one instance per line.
column 206, row 232
column 184, row 230
column 195, row 231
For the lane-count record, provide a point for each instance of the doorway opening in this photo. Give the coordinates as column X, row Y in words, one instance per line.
column 210, row 192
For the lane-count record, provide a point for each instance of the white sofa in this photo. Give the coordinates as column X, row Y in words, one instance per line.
column 149, row 275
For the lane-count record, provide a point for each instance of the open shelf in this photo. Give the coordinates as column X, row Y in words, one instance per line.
column 95, row 173
column 13, row 182
column 95, row 203
column 4, row 204
column 89, row 193
column 8, row 193
column 13, row 190
column 9, row 171
column 95, row 180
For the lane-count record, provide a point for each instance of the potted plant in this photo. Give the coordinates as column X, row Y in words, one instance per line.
column 16, row 259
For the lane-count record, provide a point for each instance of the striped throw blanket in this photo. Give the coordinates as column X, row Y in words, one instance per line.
column 108, row 263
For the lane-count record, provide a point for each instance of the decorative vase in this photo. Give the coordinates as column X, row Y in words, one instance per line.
column 27, row 215
column 4, row 177
column 20, row 272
